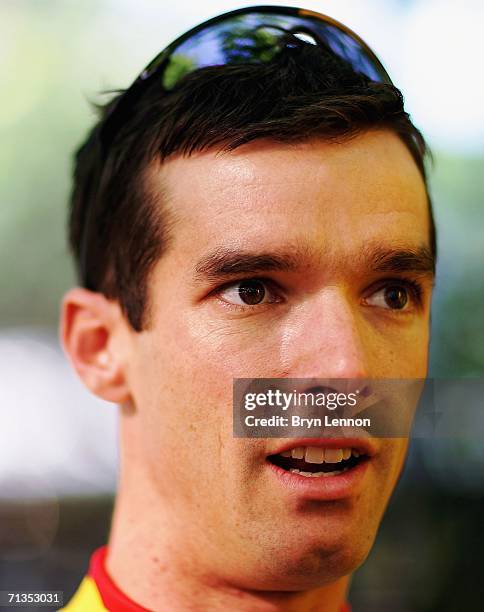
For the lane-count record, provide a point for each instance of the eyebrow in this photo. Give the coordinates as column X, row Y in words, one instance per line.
column 420, row 260
column 226, row 262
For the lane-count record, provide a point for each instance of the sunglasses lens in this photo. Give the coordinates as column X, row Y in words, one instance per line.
column 232, row 42
column 258, row 38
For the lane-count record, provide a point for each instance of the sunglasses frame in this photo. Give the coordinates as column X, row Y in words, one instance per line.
column 159, row 63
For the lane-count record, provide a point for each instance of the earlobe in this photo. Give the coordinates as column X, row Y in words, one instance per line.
column 92, row 334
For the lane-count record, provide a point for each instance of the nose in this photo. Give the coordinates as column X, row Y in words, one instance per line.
column 328, row 339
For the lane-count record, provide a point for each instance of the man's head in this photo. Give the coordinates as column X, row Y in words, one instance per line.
column 258, row 221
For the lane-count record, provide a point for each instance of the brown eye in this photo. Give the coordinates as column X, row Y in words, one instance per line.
column 391, row 297
column 396, row 297
column 251, row 292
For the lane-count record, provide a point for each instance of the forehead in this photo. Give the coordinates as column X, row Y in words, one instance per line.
column 317, row 193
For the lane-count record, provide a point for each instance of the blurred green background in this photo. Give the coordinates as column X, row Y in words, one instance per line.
column 55, row 56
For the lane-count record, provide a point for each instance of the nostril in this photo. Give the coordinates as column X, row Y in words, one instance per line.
column 364, row 391
column 320, row 389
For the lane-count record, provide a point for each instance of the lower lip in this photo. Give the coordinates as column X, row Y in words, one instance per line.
column 325, row 488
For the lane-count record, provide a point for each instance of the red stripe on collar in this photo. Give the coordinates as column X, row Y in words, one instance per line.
column 113, row 598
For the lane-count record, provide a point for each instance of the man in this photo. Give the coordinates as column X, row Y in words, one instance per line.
column 261, row 215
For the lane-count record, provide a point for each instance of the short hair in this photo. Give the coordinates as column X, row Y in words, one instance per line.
column 304, row 93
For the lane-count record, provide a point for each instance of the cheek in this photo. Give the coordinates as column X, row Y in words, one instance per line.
column 226, row 349
column 405, row 354
column 184, row 393
column 401, row 458
column 398, row 452
column 208, row 354
column 388, row 468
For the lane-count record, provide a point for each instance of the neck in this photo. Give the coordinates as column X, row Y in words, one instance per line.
column 161, row 562
column 154, row 582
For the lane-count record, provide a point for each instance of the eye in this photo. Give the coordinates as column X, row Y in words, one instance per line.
column 250, row 292
column 392, row 297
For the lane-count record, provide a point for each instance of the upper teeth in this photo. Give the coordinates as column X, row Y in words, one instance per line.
column 317, row 454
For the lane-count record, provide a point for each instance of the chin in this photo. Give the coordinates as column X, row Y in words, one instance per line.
column 318, row 567
column 292, row 568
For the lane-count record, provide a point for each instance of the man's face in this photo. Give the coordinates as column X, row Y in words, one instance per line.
column 307, row 220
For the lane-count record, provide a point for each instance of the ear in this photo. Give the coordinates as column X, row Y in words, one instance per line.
column 95, row 337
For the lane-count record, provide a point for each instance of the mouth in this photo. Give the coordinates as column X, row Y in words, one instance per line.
column 317, row 461
column 324, row 469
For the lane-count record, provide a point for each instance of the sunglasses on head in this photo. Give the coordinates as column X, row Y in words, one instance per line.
column 252, row 35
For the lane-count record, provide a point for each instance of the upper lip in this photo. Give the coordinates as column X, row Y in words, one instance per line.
column 365, row 446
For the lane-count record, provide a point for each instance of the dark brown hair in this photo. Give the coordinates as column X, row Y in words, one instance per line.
column 120, row 230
